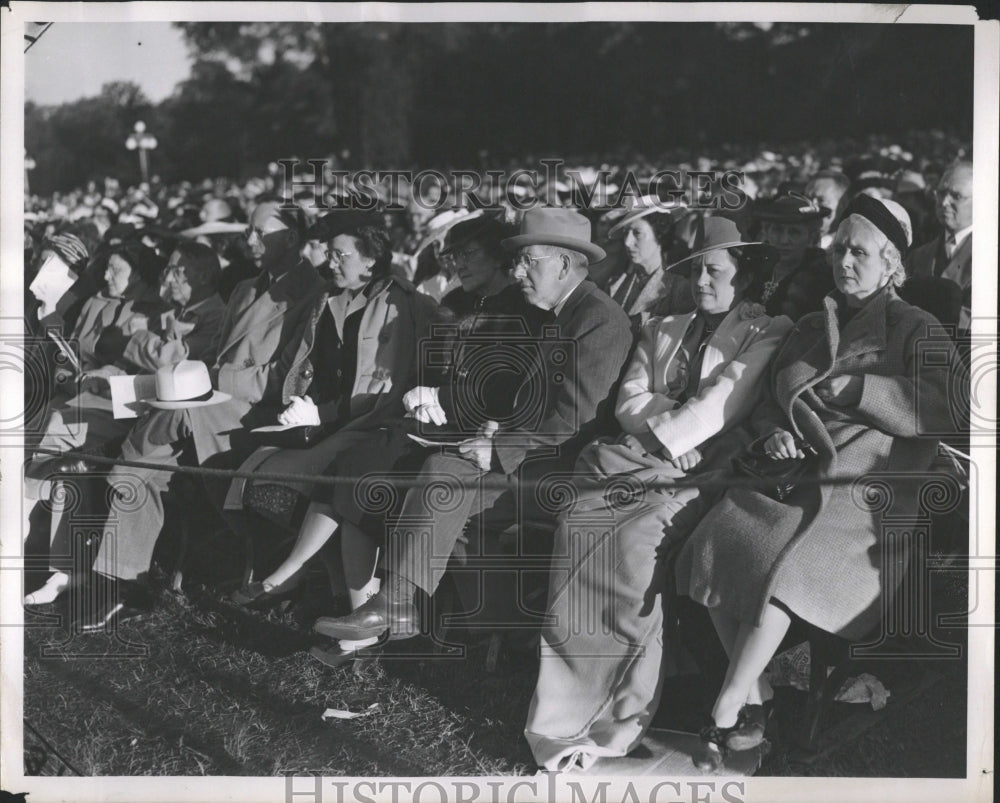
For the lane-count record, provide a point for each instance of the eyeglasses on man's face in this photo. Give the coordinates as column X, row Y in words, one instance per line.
column 527, row 261
column 943, row 194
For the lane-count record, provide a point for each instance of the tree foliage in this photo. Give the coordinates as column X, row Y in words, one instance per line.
column 395, row 95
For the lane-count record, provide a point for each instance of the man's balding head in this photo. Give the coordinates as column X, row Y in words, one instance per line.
column 954, row 197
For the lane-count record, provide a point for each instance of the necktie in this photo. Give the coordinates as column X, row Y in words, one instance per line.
column 708, row 327
column 950, row 245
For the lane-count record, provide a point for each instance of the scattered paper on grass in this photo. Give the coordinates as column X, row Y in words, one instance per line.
column 791, row 668
column 338, row 713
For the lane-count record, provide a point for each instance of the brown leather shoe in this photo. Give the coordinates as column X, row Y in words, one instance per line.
column 371, row 620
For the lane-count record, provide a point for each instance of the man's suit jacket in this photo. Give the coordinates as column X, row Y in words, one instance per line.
column 930, row 261
column 151, row 349
column 565, row 397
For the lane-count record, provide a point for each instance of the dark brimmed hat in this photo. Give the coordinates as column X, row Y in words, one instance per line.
column 791, row 207
column 563, row 228
column 721, row 234
column 485, row 229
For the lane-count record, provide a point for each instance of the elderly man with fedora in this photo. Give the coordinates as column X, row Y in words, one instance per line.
column 264, row 316
column 490, row 481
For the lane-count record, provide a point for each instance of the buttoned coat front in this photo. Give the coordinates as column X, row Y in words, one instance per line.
column 823, row 552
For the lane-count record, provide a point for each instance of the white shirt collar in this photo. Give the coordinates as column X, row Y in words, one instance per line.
column 562, row 301
column 960, row 236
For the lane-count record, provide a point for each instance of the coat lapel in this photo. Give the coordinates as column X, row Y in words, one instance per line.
column 670, row 336
column 865, row 332
column 651, row 292
column 723, row 344
column 374, row 322
column 813, row 358
column 264, row 307
column 959, row 268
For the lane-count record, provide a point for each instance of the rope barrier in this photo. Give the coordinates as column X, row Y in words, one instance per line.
column 489, row 480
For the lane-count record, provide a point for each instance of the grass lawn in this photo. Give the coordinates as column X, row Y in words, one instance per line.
column 201, row 687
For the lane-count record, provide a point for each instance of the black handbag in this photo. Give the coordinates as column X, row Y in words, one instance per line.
column 292, row 438
column 778, row 478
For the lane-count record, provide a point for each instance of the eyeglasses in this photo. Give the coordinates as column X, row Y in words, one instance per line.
column 956, row 197
column 340, row 255
column 466, row 253
column 528, row 261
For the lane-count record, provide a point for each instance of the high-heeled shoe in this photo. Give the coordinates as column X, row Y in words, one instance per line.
column 751, row 726
column 259, row 592
column 713, row 746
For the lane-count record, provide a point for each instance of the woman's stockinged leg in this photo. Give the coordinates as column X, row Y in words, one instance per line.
column 359, row 555
column 317, row 528
column 754, row 648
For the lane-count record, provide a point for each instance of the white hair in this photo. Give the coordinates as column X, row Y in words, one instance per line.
column 890, row 254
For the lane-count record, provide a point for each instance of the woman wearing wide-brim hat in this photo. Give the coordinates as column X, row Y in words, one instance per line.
column 802, row 278
column 647, row 288
column 693, row 379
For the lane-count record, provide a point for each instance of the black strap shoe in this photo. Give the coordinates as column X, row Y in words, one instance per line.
column 111, row 603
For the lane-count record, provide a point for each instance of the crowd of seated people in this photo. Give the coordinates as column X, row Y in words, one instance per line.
column 493, row 378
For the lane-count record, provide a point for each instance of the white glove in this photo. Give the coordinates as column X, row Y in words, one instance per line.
column 420, row 397
column 430, row 414
column 301, row 412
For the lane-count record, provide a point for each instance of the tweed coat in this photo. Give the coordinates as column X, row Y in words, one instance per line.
column 395, row 319
column 580, row 363
column 821, row 551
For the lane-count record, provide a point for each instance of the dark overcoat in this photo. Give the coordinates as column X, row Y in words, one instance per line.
column 822, row 552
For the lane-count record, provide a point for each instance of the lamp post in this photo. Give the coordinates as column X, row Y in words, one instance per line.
column 143, row 141
column 29, row 164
